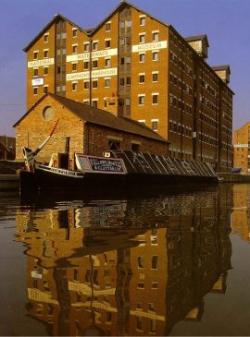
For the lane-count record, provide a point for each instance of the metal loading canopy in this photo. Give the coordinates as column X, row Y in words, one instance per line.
column 146, row 163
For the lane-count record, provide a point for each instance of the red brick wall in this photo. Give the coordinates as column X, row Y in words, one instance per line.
column 96, row 141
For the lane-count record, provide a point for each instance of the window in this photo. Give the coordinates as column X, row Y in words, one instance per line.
column 95, row 84
column 86, row 46
column 122, row 60
column 35, row 55
column 155, row 123
column 74, row 66
column 127, row 101
column 128, row 81
column 139, row 323
column 141, row 78
column 86, row 65
column 35, row 91
column 74, row 32
column 155, row 98
column 107, row 82
column 45, row 89
column 155, row 36
column 35, row 72
column 140, row 262
column 139, row 306
column 74, row 49
column 155, row 56
column 74, row 86
column 152, row 325
column 108, row 26
column 107, row 62
column 140, row 285
column 141, row 99
column 58, row 88
column 108, row 43
column 154, row 285
column 122, row 81
column 86, row 84
column 95, row 103
column 114, row 144
column 46, row 38
column 142, row 20
column 45, row 53
column 136, row 148
column 151, row 307
column 154, row 262
column 108, row 317
column 155, row 77
column 142, row 38
column 95, row 63
column 142, row 121
column 95, row 45
column 142, row 58
column 128, row 59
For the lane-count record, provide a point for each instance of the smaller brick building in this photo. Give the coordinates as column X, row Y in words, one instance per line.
column 7, row 147
column 241, row 144
column 81, row 128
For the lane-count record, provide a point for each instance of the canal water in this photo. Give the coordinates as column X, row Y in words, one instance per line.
column 175, row 264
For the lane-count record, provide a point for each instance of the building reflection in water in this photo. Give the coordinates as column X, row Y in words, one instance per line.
column 241, row 211
column 130, row 267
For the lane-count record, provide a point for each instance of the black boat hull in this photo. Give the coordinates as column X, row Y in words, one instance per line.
column 44, row 182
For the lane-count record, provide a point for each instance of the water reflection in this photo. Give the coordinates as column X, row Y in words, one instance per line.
column 127, row 267
column 241, row 211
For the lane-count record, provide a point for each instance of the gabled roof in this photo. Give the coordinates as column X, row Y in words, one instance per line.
column 104, row 118
column 122, row 5
column 197, row 38
column 88, row 31
column 56, row 18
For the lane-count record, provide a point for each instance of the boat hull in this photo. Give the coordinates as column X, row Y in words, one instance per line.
column 45, row 182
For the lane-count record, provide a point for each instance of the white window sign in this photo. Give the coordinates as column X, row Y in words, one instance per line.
column 37, row 81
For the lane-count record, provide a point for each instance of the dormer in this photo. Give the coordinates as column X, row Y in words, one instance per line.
column 223, row 72
column 200, row 44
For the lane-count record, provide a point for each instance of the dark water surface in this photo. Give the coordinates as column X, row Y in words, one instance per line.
column 168, row 265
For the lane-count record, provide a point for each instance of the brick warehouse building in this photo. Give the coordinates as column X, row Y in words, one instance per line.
column 241, row 143
column 81, row 128
column 137, row 66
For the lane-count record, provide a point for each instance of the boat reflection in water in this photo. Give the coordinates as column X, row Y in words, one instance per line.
column 127, row 267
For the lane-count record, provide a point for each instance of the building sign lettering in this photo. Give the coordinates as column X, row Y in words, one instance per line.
column 41, row 63
column 94, row 74
column 95, row 54
column 149, row 46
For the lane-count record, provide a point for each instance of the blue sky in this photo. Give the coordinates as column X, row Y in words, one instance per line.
column 226, row 22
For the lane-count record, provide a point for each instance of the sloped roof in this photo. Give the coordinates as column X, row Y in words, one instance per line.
column 101, row 117
column 56, row 18
column 121, row 5
column 88, row 31
column 197, row 38
column 222, row 67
